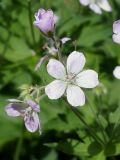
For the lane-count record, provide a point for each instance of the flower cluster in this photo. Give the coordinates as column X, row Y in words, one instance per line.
column 97, row 5
column 69, row 77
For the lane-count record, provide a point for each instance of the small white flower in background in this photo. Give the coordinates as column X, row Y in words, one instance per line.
column 116, row 72
column 70, row 79
column 97, row 5
column 65, row 39
column 116, row 31
column 56, row 18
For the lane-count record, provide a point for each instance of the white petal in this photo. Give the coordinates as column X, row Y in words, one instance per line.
column 75, row 62
column 75, row 96
column 95, row 8
column 116, row 27
column 56, row 69
column 104, row 4
column 84, row 2
column 65, row 39
column 56, row 18
column 87, row 79
column 40, row 62
column 116, row 38
column 116, row 72
column 13, row 100
column 55, row 89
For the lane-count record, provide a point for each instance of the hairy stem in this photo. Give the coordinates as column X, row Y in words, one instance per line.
column 31, row 21
column 19, row 145
column 56, row 46
column 91, row 131
column 97, row 120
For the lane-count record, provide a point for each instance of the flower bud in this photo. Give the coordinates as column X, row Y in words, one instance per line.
column 45, row 21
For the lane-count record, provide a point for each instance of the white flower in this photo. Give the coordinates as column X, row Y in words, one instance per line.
column 70, row 80
column 65, row 39
column 56, row 18
column 116, row 30
column 116, row 72
column 97, row 5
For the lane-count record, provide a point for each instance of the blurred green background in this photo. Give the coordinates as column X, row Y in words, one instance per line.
column 63, row 137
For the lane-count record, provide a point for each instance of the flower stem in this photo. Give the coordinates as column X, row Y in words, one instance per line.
column 91, row 131
column 97, row 120
column 19, row 145
column 56, row 46
column 31, row 22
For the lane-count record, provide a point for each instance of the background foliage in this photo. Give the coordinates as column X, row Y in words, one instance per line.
column 64, row 137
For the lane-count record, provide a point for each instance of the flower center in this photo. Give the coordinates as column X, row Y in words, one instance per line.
column 94, row 1
column 28, row 111
column 71, row 78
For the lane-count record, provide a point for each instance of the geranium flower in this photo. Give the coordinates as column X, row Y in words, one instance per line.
column 116, row 72
column 116, row 30
column 45, row 21
column 71, row 79
column 97, row 5
column 28, row 110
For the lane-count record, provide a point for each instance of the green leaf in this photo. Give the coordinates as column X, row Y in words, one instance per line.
column 93, row 34
column 112, row 150
column 18, row 50
column 114, row 116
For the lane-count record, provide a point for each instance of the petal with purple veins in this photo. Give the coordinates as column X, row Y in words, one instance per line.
column 15, row 109
column 32, row 122
column 33, row 105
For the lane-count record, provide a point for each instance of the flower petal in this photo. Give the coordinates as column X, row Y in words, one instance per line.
column 39, row 14
column 84, row 2
column 116, row 72
column 14, row 100
column 75, row 96
column 56, row 69
column 53, row 51
column 87, row 79
column 32, row 122
column 116, row 27
column 65, row 39
column 33, row 105
column 95, row 8
column 41, row 61
column 55, row 89
column 15, row 109
column 104, row 4
column 116, row 38
column 45, row 21
column 75, row 62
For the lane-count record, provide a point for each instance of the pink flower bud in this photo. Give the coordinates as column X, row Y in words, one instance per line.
column 45, row 21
